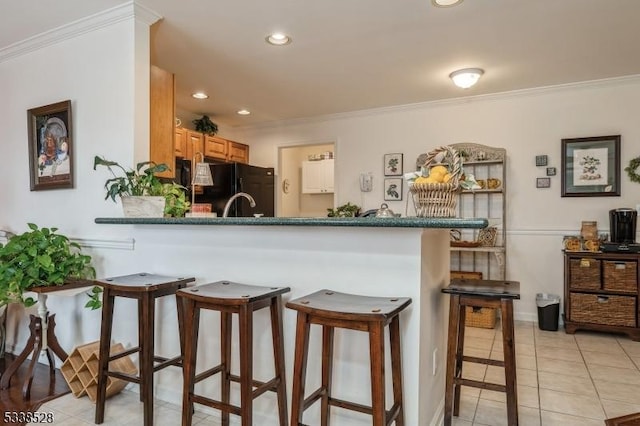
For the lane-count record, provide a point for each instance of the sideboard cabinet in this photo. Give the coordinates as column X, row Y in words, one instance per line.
column 601, row 292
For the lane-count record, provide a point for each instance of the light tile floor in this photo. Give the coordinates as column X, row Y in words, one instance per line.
column 563, row 380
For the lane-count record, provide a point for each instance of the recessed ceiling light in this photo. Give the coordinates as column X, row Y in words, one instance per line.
column 467, row 77
column 200, row 95
column 445, row 3
column 244, row 112
column 278, row 39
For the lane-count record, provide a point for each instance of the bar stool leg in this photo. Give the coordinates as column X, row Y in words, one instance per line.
column 225, row 359
column 277, row 332
column 509, row 361
column 327, row 372
column 103, row 361
column 376, row 352
column 146, row 341
column 452, row 350
column 246, row 364
column 191, row 326
column 396, row 368
column 462, row 312
column 300, row 368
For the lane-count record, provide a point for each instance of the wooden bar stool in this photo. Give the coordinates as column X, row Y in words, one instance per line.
column 232, row 298
column 331, row 309
column 145, row 288
column 486, row 294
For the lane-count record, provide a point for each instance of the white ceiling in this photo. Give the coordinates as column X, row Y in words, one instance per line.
column 349, row 55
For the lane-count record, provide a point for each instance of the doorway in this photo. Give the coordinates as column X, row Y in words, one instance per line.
column 290, row 199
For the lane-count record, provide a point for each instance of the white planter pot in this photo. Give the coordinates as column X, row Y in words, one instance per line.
column 135, row 206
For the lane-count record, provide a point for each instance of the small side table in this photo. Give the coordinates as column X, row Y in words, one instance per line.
column 42, row 339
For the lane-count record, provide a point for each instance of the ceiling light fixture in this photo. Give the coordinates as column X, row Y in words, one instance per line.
column 244, row 112
column 467, row 77
column 200, row 95
column 445, row 3
column 278, row 39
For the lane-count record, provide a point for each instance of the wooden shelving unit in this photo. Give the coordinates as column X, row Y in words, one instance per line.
column 80, row 370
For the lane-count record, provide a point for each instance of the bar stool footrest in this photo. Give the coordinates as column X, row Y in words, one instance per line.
column 219, row 405
column 478, row 384
column 123, row 376
column 485, row 361
column 166, row 362
column 124, row 353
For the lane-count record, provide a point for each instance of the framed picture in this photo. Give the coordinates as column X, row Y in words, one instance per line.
column 393, row 164
column 541, row 160
column 393, row 189
column 543, row 182
column 50, row 146
column 551, row 171
column 591, row 167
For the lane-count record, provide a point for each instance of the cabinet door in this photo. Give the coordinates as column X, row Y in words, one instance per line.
column 195, row 143
column 162, row 119
column 238, row 152
column 181, row 142
column 215, row 147
column 317, row 177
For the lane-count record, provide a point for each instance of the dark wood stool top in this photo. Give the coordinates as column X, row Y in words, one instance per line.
column 143, row 282
column 494, row 289
column 230, row 293
column 332, row 304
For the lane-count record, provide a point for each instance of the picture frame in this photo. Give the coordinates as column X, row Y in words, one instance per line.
column 543, row 182
column 50, row 146
column 551, row 171
column 393, row 164
column 393, row 189
column 541, row 160
column 591, row 166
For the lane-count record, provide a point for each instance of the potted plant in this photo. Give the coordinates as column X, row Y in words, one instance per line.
column 345, row 210
column 205, row 125
column 42, row 258
column 142, row 193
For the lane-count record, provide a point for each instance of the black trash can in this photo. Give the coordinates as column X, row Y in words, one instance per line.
column 548, row 311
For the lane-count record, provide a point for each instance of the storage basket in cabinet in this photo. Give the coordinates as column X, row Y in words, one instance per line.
column 80, row 370
column 603, row 309
column 476, row 317
column 620, row 276
column 585, row 274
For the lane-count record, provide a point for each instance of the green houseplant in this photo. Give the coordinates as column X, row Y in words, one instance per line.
column 42, row 258
column 205, row 125
column 345, row 210
column 143, row 182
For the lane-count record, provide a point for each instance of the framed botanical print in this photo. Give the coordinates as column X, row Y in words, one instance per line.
column 591, row 166
column 393, row 164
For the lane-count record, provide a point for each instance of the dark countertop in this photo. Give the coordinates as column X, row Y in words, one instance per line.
column 396, row 222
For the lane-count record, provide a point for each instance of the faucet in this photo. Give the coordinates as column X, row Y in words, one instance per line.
column 227, row 206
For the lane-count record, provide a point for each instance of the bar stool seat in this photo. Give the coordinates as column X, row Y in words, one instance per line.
column 242, row 299
column 495, row 294
column 332, row 309
column 145, row 288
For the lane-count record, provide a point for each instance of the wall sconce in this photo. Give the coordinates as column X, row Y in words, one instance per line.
column 467, row 77
column 201, row 177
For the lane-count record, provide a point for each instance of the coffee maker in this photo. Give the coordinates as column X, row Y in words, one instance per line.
column 622, row 223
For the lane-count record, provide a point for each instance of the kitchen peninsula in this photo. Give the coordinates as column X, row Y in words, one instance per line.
column 406, row 257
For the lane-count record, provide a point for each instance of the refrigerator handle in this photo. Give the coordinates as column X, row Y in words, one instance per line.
column 240, row 185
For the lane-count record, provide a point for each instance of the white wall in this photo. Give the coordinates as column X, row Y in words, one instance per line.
column 526, row 123
column 96, row 69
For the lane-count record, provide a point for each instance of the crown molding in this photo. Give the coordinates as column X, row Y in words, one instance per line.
column 513, row 94
column 82, row 26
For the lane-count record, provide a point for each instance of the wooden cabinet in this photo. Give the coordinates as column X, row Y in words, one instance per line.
column 180, row 142
column 162, row 119
column 317, row 177
column 485, row 255
column 237, row 152
column 601, row 292
column 215, row 147
column 195, row 143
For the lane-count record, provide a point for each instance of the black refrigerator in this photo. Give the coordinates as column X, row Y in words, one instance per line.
column 231, row 178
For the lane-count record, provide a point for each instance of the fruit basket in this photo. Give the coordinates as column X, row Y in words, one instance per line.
column 436, row 195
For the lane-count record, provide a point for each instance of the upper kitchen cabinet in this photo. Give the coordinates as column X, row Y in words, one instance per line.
column 237, row 152
column 317, row 177
column 215, row 147
column 195, row 143
column 181, row 142
column 162, row 119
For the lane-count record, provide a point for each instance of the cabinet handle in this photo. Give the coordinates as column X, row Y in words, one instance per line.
column 603, row 299
column 620, row 265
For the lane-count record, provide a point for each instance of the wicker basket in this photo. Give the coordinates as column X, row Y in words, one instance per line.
column 480, row 317
column 439, row 199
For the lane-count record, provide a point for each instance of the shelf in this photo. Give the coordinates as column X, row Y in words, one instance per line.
column 480, row 249
column 482, row 191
